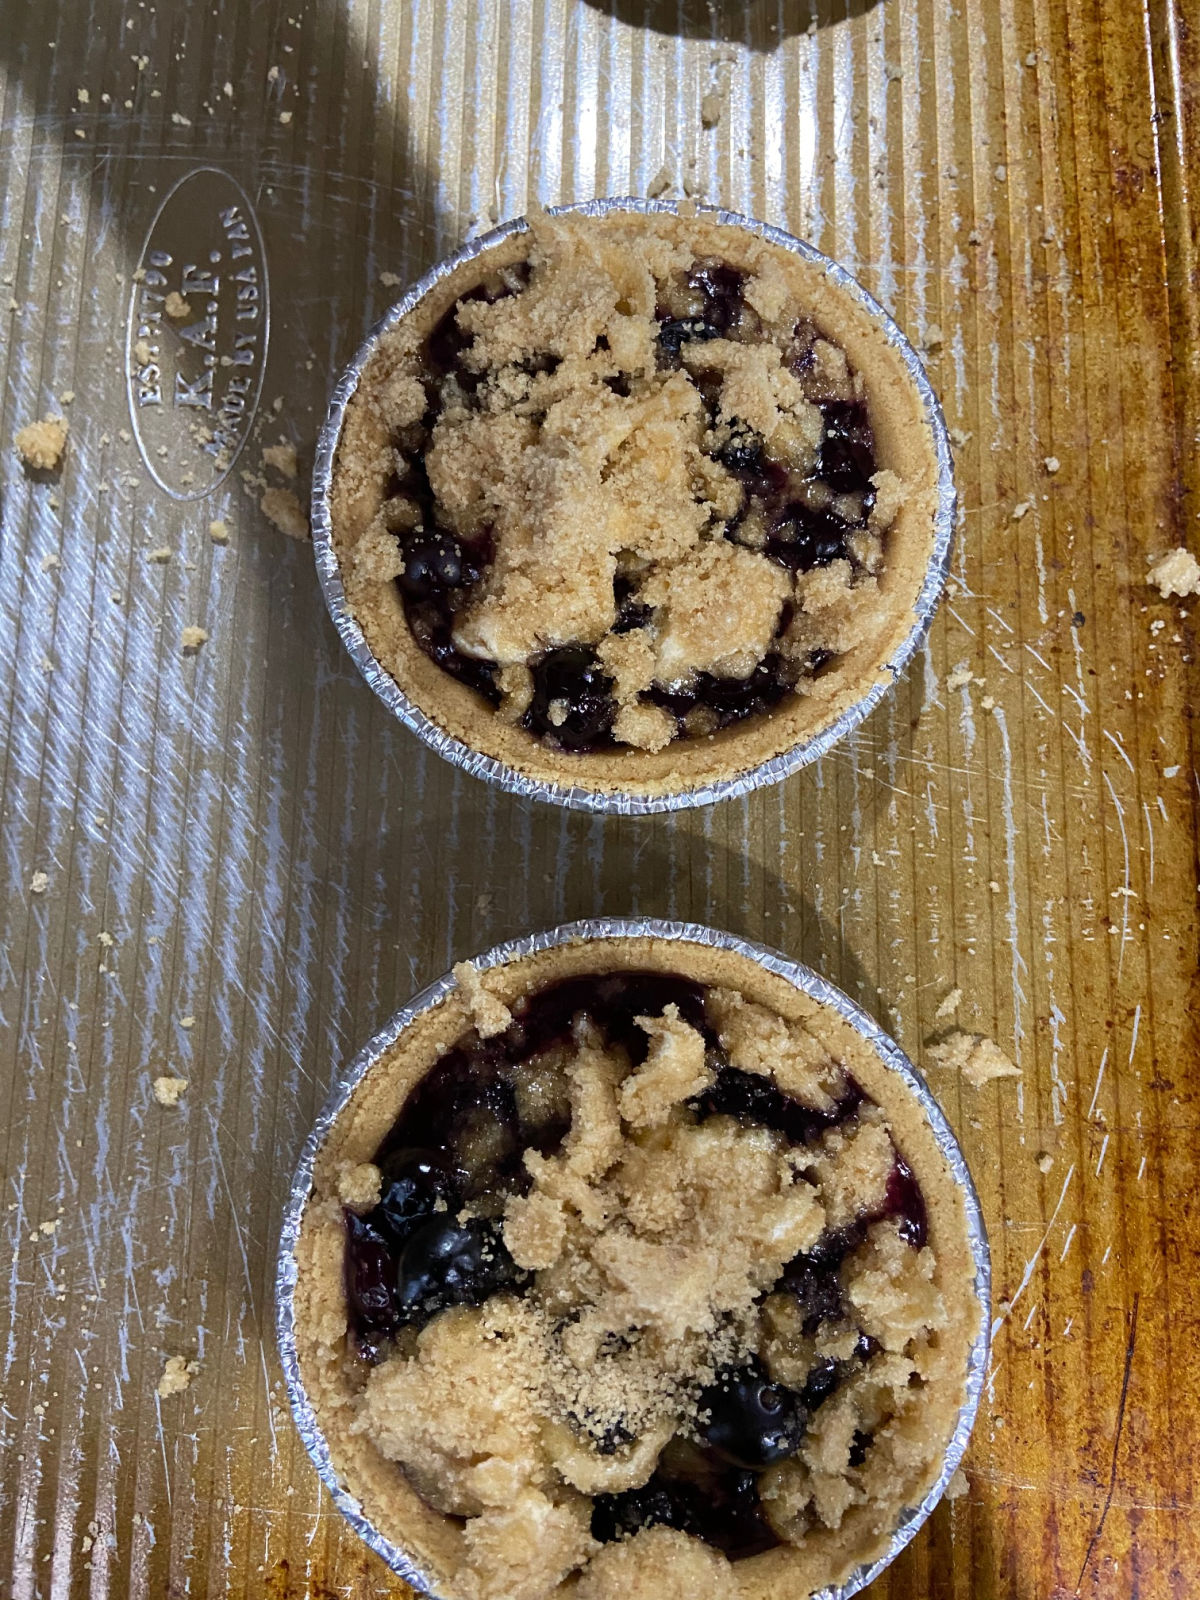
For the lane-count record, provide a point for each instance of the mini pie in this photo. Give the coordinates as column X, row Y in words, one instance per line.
column 635, row 502
column 631, row 1270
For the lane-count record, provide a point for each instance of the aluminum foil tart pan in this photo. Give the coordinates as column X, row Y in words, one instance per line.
column 577, row 795
column 802, row 978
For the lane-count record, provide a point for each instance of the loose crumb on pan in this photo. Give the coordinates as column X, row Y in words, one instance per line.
column 1178, row 573
column 218, row 531
column 490, row 1015
column 176, row 306
column 161, row 556
column 958, row 1485
column 168, row 1090
column 948, row 1006
column 41, row 444
column 281, row 507
column 282, row 457
column 177, row 1375
column 192, row 638
column 39, row 883
column 980, row 1060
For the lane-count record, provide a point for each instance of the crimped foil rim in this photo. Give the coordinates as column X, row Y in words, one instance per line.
column 577, row 796
column 803, row 978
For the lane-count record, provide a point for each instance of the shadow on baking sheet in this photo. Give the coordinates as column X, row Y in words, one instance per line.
column 760, row 24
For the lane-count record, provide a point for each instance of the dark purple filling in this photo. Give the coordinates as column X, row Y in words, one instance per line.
column 461, row 1136
column 441, row 573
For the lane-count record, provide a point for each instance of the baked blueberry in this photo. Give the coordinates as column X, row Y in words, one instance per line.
column 750, row 1421
column 415, row 1184
column 451, row 1263
column 572, row 699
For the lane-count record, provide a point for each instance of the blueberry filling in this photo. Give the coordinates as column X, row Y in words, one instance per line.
column 799, row 519
column 572, row 706
column 434, row 1240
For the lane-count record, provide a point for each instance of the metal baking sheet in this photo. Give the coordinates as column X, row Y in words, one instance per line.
column 248, row 864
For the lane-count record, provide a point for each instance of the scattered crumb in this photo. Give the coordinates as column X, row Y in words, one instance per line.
column 934, row 337
column 67, row 396
column 160, row 556
column 285, row 117
column 167, row 1090
column 959, row 678
column 390, row 280
column 660, row 183
column 948, row 1006
column 710, row 109
column 1178, row 572
column 1170, row 772
column 1045, row 1161
column 958, row 438
column 218, row 531
column 49, row 561
column 176, row 306
column 359, row 1186
column 187, row 1022
column 958, row 1485
column 490, row 1015
column 177, row 1375
column 39, row 883
column 282, row 457
column 192, row 638
column 980, row 1060
column 1021, row 510
column 40, row 444
column 281, row 508
column 1051, row 464
column 46, row 1229
column 988, row 703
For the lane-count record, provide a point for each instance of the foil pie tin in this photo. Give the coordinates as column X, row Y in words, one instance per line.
column 805, row 979
column 578, row 796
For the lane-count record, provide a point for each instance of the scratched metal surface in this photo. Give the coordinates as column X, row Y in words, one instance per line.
column 248, row 866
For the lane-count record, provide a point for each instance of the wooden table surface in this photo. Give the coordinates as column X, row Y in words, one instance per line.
column 248, row 866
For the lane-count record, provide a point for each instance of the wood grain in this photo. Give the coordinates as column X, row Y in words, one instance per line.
column 274, row 859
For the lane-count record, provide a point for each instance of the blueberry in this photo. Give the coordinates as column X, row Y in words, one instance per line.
column 414, row 1182
column 741, row 453
column 721, row 285
column 752, row 1422
column 448, row 1263
column 755, row 1100
column 804, row 538
column 572, row 677
column 825, row 1375
column 432, row 562
column 369, row 1276
column 817, row 1290
column 905, row 1200
column 847, row 458
column 659, row 1503
column 631, row 612
column 675, row 332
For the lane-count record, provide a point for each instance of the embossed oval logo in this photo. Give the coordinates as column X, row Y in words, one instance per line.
column 199, row 321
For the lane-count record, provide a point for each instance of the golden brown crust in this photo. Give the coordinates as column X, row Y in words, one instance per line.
column 505, row 622
column 834, row 1518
